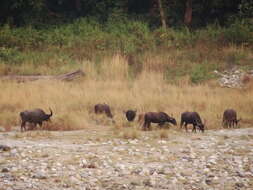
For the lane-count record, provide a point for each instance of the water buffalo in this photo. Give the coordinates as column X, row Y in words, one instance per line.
column 192, row 118
column 230, row 118
column 103, row 108
column 35, row 116
column 130, row 114
column 157, row 117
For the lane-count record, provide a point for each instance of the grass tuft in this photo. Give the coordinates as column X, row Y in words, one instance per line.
column 163, row 134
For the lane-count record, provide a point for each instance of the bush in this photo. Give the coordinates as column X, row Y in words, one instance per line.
column 199, row 73
column 240, row 32
column 129, row 36
column 10, row 55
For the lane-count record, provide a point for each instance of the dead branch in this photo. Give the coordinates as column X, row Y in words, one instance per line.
column 63, row 77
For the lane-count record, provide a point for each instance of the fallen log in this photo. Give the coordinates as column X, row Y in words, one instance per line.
column 63, row 77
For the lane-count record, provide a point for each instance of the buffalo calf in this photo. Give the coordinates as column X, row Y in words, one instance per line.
column 103, row 108
column 230, row 118
column 192, row 118
column 157, row 117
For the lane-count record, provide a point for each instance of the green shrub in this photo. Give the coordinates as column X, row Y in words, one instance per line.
column 240, row 32
column 201, row 72
column 65, row 46
column 211, row 33
column 10, row 55
column 129, row 36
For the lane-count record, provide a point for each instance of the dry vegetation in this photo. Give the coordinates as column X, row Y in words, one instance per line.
column 109, row 82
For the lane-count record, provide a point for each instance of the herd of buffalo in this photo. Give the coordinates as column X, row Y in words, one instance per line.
column 37, row 116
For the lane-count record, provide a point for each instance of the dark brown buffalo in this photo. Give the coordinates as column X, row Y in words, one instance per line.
column 35, row 116
column 230, row 118
column 157, row 117
column 103, row 108
column 192, row 118
column 130, row 115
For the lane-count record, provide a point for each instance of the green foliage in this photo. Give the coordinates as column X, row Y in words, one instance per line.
column 129, row 36
column 27, row 49
column 201, row 72
column 239, row 32
column 246, row 9
column 175, row 37
column 125, row 36
column 10, row 55
column 26, row 37
column 198, row 73
column 212, row 33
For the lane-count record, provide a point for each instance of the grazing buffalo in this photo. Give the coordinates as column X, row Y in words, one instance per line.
column 192, row 118
column 103, row 108
column 157, row 117
column 230, row 118
column 35, row 116
column 130, row 115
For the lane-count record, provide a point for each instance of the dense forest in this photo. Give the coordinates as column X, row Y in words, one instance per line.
column 170, row 13
column 55, row 32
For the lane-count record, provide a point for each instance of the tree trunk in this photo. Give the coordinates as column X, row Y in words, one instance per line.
column 78, row 5
column 188, row 13
column 163, row 19
column 64, row 77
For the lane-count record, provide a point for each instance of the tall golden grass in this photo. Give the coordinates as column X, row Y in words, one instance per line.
column 72, row 102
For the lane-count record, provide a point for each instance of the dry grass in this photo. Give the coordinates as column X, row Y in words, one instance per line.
column 163, row 134
column 34, row 134
column 72, row 103
column 129, row 133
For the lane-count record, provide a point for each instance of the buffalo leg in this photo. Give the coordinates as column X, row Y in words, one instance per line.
column 161, row 125
column 185, row 126
column 181, row 125
column 145, row 125
column 235, row 124
column 226, row 124
column 34, row 126
column 23, row 126
column 148, row 126
column 194, row 129
column 229, row 124
column 40, row 124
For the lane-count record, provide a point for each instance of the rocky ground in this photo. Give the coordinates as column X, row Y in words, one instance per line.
column 99, row 159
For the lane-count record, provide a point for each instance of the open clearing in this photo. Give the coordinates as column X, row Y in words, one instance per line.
column 98, row 158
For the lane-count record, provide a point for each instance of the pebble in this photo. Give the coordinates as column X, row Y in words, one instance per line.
column 4, row 170
column 129, row 164
column 5, row 148
column 40, row 175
